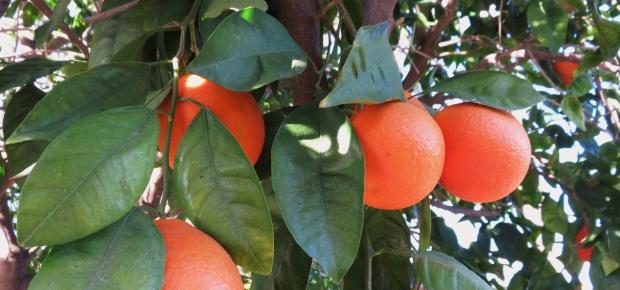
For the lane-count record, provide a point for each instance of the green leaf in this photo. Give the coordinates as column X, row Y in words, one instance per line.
column 128, row 254
column 612, row 240
column 213, row 8
column 384, row 230
column 27, row 71
column 492, row 88
column 214, row 182
column 57, row 17
column 291, row 266
column 110, row 36
column 370, row 73
column 248, row 50
column 600, row 280
column 388, row 230
column 549, row 22
column 439, row 271
column 318, row 177
column 554, row 217
column 121, row 37
column 88, row 177
column 509, row 241
column 99, row 89
column 571, row 106
column 608, row 32
column 21, row 155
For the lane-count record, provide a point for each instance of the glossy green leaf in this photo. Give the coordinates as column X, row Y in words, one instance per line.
column 24, row 154
column 548, row 21
column 571, row 106
column 88, row 177
column 121, row 37
column 213, row 8
column 111, row 35
column 318, row 177
column 608, row 32
column 128, row 254
column 217, row 187
column 57, row 17
column 99, row 89
column 439, row 271
column 291, row 266
column 386, row 230
column 599, row 279
column 370, row 73
column 492, row 88
column 247, row 50
column 23, row 72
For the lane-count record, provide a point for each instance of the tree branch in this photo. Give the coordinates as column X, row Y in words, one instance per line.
column 298, row 16
column 12, row 256
column 111, row 12
column 430, row 42
column 75, row 39
column 612, row 112
column 465, row 211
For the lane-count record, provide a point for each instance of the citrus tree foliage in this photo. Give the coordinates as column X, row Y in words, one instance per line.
column 81, row 106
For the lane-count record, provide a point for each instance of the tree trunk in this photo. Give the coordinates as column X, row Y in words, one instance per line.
column 298, row 18
column 12, row 258
column 375, row 11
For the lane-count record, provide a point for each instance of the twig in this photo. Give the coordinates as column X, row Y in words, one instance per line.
column 541, row 70
column 465, row 211
column 612, row 112
column 111, row 12
column 429, row 45
column 325, row 9
column 75, row 39
column 499, row 22
column 346, row 18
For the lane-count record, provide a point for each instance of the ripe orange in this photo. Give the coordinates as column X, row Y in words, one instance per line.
column 584, row 253
column 403, row 151
column 565, row 70
column 413, row 100
column 237, row 111
column 194, row 260
column 487, row 152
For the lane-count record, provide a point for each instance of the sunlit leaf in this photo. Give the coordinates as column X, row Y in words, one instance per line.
column 88, row 177
column 370, row 73
column 492, row 88
column 249, row 49
column 318, row 176
column 439, row 271
column 219, row 191
column 128, row 254
column 99, row 89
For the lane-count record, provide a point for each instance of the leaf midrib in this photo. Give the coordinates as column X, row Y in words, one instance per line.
column 88, row 174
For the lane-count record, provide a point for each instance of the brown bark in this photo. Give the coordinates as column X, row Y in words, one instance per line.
column 298, row 18
column 375, row 11
column 13, row 258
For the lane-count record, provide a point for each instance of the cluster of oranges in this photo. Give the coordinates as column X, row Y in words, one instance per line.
column 477, row 153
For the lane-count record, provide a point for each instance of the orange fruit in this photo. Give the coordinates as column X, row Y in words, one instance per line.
column 413, row 100
column 565, row 70
column 194, row 260
column 584, row 253
column 403, row 151
column 237, row 111
column 487, row 152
